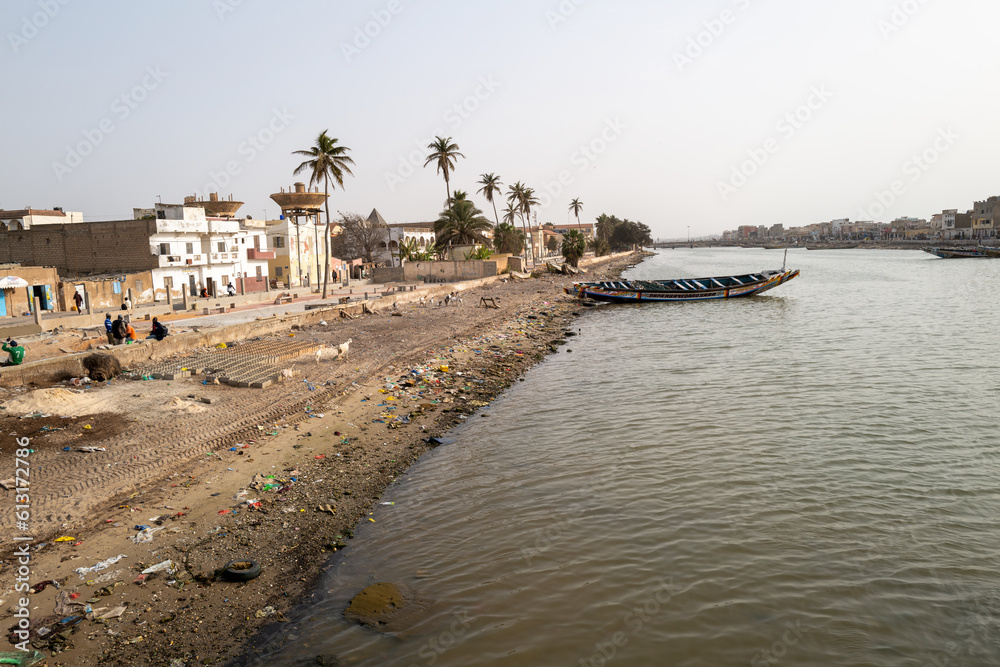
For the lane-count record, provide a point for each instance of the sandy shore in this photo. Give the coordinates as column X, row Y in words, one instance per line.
column 279, row 475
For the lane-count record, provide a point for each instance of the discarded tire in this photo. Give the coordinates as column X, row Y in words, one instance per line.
column 241, row 570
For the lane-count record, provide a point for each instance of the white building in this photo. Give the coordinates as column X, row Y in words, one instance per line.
column 29, row 217
column 196, row 252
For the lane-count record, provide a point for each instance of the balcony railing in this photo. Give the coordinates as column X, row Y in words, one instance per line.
column 260, row 254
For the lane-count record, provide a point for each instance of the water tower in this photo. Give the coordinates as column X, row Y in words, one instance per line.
column 301, row 204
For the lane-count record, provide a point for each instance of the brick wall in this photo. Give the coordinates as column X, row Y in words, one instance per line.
column 81, row 249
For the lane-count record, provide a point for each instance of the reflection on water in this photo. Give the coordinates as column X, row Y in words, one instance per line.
column 804, row 478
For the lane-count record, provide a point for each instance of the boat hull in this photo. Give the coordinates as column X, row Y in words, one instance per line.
column 963, row 253
column 730, row 287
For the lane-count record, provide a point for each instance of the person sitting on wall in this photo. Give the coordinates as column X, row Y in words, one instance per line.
column 159, row 331
column 130, row 335
column 204, row 292
column 15, row 351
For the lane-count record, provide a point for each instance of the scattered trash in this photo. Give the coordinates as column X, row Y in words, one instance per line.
column 159, row 567
column 91, row 450
column 241, row 570
column 103, row 565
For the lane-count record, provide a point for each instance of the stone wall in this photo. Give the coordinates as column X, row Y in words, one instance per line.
column 87, row 248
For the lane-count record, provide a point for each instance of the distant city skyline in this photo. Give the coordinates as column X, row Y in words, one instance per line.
column 680, row 115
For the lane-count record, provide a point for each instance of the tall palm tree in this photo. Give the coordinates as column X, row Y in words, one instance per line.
column 461, row 224
column 516, row 195
column 510, row 214
column 491, row 186
column 460, row 195
column 526, row 199
column 576, row 206
column 329, row 162
column 445, row 154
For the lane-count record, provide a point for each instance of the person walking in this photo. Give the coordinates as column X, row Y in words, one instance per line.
column 118, row 330
column 78, row 298
column 231, row 290
column 108, row 324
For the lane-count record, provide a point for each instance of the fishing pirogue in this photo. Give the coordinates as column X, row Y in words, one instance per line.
column 683, row 289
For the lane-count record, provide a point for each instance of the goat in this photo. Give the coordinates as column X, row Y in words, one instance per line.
column 344, row 348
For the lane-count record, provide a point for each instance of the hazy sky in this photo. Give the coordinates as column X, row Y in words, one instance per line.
column 705, row 115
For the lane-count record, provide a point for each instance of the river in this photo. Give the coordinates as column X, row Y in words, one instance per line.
column 808, row 477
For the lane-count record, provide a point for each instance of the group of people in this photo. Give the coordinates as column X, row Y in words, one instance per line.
column 121, row 331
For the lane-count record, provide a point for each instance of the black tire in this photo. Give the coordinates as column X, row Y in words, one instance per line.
column 231, row 573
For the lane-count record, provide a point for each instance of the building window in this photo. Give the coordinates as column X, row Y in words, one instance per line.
column 259, row 274
column 277, row 272
column 189, row 248
column 222, row 246
column 164, row 248
column 279, row 242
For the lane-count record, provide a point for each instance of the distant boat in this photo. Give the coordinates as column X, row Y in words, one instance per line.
column 962, row 253
column 842, row 246
column 682, row 289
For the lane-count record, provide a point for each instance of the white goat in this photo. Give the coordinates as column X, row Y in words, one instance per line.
column 344, row 348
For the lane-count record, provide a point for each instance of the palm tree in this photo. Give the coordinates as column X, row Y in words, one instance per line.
column 605, row 226
column 510, row 214
column 491, row 186
column 461, row 224
column 573, row 246
column 507, row 238
column 528, row 199
column 523, row 198
column 576, row 206
column 460, row 195
column 445, row 154
column 328, row 161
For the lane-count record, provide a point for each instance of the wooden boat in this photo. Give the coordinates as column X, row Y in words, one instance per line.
column 960, row 253
column 682, row 289
column 834, row 246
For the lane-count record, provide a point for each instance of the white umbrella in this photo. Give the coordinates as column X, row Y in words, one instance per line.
column 10, row 282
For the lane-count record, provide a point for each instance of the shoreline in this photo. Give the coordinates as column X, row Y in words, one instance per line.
column 330, row 459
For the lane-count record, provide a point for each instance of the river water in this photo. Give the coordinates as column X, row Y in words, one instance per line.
column 808, row 477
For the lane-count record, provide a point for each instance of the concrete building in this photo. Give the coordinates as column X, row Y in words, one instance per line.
column 194, row 252
column 986, row 218
column 26, row 218
column 38, row 288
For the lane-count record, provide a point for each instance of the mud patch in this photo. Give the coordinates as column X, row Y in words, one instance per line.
column 384, row 607
column 56, row 432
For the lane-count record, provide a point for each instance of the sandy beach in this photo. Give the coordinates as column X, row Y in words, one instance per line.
column 202, row 474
